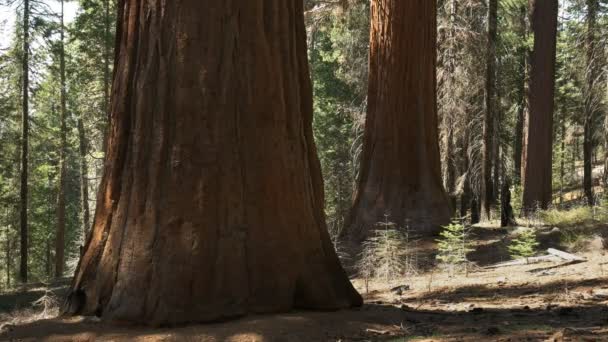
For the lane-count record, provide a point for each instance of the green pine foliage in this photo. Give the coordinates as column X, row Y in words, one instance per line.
column 525, row 245
column 453, row 246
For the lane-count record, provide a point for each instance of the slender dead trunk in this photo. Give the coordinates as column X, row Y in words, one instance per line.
column 84, row 181
column 487, row 191
column 60, row 232
column 48, row 268
column 449, row 140
column 400, row 166
column 496, row 150
column 25, row 127
column 211, row 204
column 8, row 258
column 538, row 129
column 465, row 199
column 562, row 164
column 590, row 101
column 606, row 148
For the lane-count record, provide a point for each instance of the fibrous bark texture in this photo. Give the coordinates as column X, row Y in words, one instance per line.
column 538, row 128
column 400, row 170
column 211, row 205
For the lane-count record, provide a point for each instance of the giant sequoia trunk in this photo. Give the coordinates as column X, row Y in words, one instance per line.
column 538, row 129
column 400, row 170
column 211, row 205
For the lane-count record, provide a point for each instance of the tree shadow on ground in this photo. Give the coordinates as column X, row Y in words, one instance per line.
column 369, row 323
column 485, row 291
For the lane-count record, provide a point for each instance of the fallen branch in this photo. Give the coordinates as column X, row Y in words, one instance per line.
column 377, row 332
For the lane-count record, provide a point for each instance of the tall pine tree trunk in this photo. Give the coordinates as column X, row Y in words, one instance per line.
column 25, row 127
column 400, row 167
column 211, row 204
column 487, row 188
column 60, row 233
column 590, row 101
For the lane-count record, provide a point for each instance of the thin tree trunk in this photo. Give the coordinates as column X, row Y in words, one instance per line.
column 448, row 124
column 523, row 103
column 487, row 192
column 465, row 199
column 400, row 165
column 589, row 93
column 496, row 153
column 562, row 164
column 8, row 258
column 606, row 149
column 60, row 233
column 48, row 268
column 23, row 268
column 84, row 182
column 538, row 143
column 106, row 72
column 211, row 204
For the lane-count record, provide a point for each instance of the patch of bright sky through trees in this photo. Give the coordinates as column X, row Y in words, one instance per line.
column 8, row 15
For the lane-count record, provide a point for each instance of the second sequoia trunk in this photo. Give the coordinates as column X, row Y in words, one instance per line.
column 400, row 168
column 211, row 205
column 538, row 128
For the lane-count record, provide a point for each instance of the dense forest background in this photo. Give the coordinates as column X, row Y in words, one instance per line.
column 59, row 74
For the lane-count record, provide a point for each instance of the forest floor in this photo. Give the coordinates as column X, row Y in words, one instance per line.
column 551, row 301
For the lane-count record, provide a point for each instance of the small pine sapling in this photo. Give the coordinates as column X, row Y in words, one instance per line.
column 524, row 246
column 453, row 246
column 385, row 253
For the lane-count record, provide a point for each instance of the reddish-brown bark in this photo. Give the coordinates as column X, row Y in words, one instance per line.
column 538, row 127
column 400, row 169
column 211, row 205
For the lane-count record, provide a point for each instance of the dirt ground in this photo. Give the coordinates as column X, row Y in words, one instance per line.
column 548, row 301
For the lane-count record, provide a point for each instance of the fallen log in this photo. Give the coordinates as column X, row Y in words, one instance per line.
column 564, row 255
column 518, row 262
column 554, row 255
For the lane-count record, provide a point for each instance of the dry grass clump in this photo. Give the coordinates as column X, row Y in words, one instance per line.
column 574, row 216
